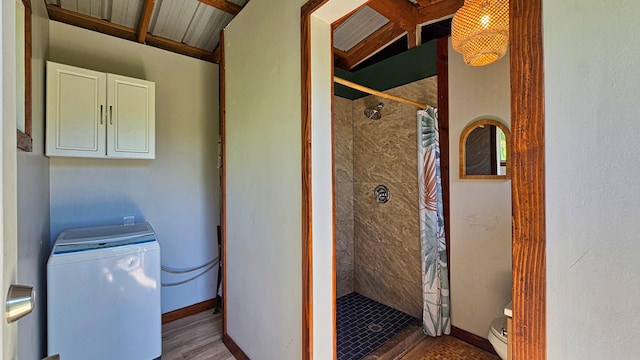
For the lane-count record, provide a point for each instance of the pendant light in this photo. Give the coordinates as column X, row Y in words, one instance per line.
column 480, row 31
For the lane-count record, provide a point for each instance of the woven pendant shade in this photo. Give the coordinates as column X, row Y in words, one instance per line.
column 480, row 31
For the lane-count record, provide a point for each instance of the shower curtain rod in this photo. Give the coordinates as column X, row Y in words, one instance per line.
column 378, row 93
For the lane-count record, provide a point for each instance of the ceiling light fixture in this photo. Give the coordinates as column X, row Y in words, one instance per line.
column 480, row 31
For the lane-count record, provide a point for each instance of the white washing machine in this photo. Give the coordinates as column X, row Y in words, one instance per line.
column 103, row 294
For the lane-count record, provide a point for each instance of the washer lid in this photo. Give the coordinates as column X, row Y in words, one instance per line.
column 497, row 325
column 82, row 239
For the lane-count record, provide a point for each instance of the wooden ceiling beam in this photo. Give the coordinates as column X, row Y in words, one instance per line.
column 400, row 12
column 413, row 38
column 423, row 3
column 224, row 5
column 145, row 17
column 438, row 10
column 217, row 53
column 73, row 18
column 180, row 48
column 383, row 36
column 340, row 58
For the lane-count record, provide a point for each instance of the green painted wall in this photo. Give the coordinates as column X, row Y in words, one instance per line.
column 412, row 65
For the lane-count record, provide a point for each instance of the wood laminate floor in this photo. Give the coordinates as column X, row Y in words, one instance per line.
column 199, row 337
column 195, row 337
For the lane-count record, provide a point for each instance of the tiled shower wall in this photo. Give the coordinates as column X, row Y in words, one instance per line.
column 343, row 167
column 378, row 245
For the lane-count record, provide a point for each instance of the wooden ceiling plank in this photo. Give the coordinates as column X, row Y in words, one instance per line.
column 400, row 12
column 339, row 22
column 180, row 48
column 73, row 18
column 145, row 18
column 223, row 5
column 368, row 46
column 438, row 10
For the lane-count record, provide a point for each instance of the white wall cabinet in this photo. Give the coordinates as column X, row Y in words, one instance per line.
column 98, row 115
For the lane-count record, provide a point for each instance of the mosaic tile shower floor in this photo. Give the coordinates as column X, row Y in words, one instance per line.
column 364, row 324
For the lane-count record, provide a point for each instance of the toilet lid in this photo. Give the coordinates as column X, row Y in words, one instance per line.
column 496, row 328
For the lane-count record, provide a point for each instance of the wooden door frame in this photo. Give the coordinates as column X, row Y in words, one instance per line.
column 528, row 187
column 528, row 180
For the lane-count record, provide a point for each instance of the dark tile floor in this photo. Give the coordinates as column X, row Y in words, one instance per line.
column 364, row 324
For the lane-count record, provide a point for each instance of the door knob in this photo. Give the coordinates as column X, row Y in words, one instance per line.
column 20, row 300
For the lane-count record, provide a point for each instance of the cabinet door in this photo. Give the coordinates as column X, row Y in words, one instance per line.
column 131, row 120
column 76, row 111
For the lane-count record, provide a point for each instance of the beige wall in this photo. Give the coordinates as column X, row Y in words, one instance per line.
column 343, row 160
column 387, row 236
column 591, row 149
column 264, row 193
column 178, row 192
column 33, row 200
column 480, row 209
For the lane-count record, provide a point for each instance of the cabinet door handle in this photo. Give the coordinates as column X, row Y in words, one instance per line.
column 111, row 114
column 101, row 115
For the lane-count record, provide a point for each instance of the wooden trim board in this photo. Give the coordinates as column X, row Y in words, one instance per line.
column 24, row 139
column 223, row 178
column 473, row 339
column 307, row 246
column 307, row 237
column 528, row 180
column 234, row 348
column 334, row 258
column 189, row 310
column 442, row 65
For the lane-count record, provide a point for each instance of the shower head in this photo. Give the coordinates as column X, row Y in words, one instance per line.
column 374, row 114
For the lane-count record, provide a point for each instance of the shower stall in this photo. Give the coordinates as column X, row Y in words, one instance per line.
column 378, row 268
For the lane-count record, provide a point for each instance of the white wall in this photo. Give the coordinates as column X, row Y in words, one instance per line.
column 178, row 192
column 480, row 209
column 33, row 199
column 264, row 184
column 264, row 193
column 592, row 172
column 322, row 182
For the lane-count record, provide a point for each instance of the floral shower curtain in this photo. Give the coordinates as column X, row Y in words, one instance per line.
column 436, row 318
